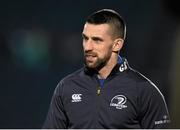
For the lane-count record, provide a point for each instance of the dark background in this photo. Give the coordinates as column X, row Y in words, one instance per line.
column 40, row 43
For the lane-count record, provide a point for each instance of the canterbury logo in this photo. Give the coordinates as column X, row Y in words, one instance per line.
column 76, row 98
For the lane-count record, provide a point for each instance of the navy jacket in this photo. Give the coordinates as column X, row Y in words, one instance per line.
column 126, row 100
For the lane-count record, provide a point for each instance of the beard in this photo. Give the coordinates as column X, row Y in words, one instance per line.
column 92, row 60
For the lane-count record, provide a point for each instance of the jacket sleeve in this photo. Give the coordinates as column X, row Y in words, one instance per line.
column 56, row 117
column 153, row 109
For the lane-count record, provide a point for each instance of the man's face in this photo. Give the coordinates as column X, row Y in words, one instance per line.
column 97, row 45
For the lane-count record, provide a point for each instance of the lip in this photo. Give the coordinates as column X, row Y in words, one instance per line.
column 90, row 57
column 93, row 55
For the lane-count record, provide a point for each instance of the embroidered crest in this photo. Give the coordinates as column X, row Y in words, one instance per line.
column 118, row 102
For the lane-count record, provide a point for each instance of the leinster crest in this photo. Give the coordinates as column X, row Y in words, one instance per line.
column 118, row 102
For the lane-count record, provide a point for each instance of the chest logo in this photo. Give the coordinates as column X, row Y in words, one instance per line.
column 76, row 98
column 118, row 101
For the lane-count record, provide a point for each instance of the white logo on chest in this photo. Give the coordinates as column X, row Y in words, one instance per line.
column 76, row 98
column 118, row 101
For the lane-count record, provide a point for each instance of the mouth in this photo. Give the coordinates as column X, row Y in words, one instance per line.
column 90, row 57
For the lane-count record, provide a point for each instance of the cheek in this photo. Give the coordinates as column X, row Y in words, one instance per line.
column 84, row 46
column 105, row 51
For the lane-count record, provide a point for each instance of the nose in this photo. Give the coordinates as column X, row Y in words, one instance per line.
column 88, row 45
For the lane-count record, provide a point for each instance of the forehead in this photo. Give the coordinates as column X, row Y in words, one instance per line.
column 97, row 30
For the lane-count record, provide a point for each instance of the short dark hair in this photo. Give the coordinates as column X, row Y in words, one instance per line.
column 109, row 16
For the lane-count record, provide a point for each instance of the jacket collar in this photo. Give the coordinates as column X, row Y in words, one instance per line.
column 120, row 67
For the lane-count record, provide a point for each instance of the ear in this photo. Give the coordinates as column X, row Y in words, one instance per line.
column 118, row 44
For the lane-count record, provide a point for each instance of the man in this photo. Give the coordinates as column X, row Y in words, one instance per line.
column 106, row 92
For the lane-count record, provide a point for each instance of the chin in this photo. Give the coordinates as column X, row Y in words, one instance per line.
column 98, row 64
column 92, row 66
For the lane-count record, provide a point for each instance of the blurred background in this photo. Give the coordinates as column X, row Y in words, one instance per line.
column 40, row 43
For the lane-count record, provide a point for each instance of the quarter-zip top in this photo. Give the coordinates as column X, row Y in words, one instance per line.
column 127, row 99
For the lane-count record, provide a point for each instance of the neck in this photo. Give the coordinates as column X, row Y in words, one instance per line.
column 106, row 70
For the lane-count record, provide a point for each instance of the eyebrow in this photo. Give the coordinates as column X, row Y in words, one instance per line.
column 84, row 36
column 95, row 38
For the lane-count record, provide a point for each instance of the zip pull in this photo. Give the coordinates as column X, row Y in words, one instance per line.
column 99, row 90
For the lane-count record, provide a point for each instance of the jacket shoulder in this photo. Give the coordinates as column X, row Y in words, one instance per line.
column 73, row 75
column 67, row 79
column 143, row 83
column 137, row 76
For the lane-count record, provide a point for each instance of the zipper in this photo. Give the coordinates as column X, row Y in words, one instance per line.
column 98, row 90
column 97, row 109
column 99, row 87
